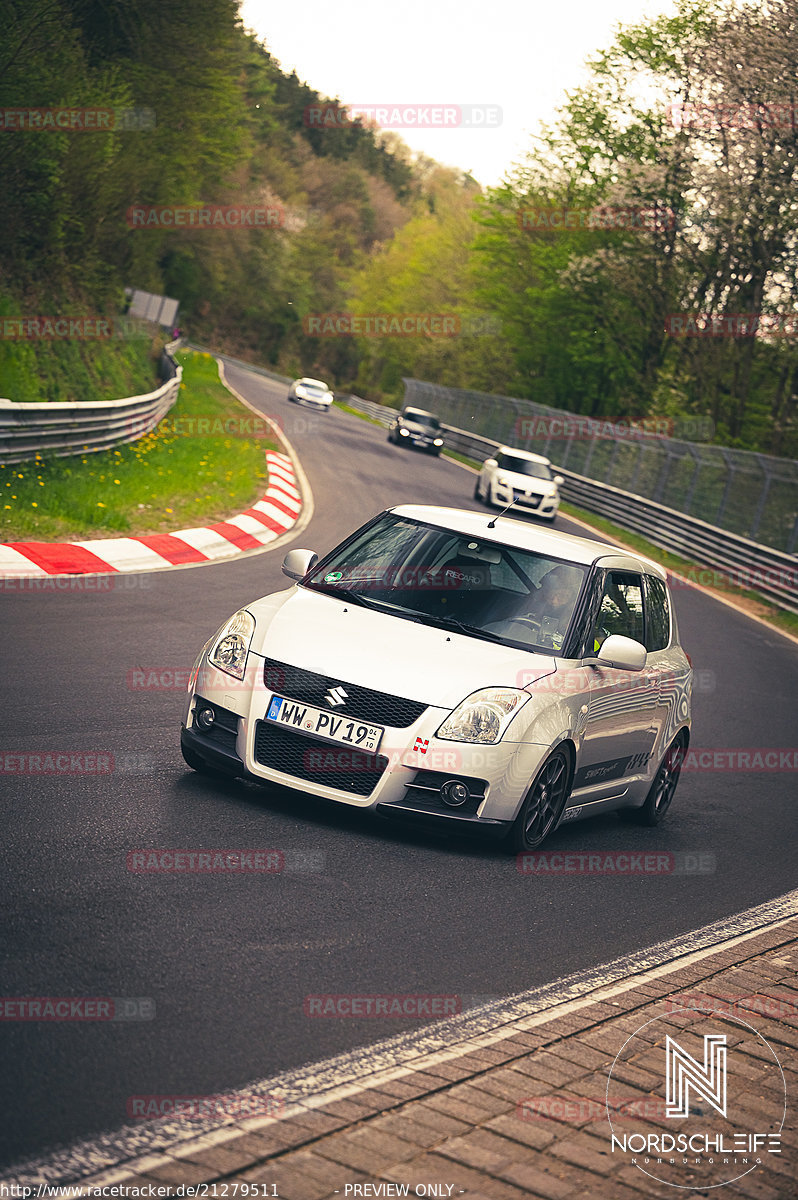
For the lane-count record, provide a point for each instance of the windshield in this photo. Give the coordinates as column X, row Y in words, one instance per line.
column 440, row 577
column 313, row 387
column 421, row 418
column 511, row 462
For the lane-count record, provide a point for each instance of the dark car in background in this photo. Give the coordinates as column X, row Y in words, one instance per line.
column 416, row 427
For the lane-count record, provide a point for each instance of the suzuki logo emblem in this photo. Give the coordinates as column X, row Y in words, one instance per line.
column 336, row 696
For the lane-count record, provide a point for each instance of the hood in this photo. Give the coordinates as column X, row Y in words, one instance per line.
column 526, row 483
column 403, row 658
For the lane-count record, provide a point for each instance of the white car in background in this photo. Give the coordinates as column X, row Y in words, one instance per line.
column 517, row 475
column 312, row 392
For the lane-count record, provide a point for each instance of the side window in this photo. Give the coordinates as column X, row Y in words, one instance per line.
column 658, row 617
column 621, row 608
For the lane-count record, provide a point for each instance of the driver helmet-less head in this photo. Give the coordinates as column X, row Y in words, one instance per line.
column 558, row 588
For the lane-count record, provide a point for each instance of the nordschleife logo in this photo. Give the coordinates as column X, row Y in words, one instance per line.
column 724, row 1095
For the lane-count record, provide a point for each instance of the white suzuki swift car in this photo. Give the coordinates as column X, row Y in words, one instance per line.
column 439, row 666
column 520, row 478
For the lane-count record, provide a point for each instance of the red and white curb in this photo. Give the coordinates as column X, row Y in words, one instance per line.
column 272, row 515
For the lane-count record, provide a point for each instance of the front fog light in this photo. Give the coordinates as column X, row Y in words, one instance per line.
column 454, row 793
column 438, row 442
column 206, row 718
column 404, row 433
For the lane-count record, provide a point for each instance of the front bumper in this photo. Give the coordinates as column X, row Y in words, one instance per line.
column 534, row 502
column 419, row 443
column 405, row 784
column 448, row 822
column 323, row 405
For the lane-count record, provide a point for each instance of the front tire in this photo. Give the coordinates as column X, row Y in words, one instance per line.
column 477, row 495
column 663, row 786
column 544, row 803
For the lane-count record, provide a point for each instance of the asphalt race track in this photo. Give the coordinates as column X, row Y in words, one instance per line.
column 227, row 960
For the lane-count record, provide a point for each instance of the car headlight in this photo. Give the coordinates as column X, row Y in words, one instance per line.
column 483, row 716
column 438, row 442
column 404, row 432
column 230, row 649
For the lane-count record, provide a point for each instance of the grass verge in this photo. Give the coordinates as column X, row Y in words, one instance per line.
column 193, row 469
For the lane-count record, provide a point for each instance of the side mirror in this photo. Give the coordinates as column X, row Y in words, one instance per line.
column 490, row 462
column 558, row 479
column 622, row 652
column 297, row 563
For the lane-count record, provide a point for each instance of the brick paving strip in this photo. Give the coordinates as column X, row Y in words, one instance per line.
column 451, row 1119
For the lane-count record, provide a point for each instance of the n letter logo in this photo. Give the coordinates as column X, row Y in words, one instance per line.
column 685, row 1072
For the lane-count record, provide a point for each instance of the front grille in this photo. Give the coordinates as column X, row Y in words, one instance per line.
column 529, row 501
column 315, row 761
column 364, row 704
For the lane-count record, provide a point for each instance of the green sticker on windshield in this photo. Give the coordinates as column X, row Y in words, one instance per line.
column 333, row 576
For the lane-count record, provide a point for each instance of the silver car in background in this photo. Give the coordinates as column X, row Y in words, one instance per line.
column 312, row 392
column 520, row 477
column 439, row 667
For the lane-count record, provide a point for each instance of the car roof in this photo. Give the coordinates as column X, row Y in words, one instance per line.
column 422, row 412
column 509, row 532
column 525, row 454
column 316, row 382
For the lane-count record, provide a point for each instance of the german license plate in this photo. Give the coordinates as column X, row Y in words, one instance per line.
column 327, row 725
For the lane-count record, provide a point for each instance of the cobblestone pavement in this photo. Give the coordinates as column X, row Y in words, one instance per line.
column 525, row 1110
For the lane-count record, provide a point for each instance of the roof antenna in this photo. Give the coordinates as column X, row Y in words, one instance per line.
column 492, row 524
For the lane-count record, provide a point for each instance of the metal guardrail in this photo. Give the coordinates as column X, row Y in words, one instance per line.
column 740, row 562
column 750, row 494
column 63, row 429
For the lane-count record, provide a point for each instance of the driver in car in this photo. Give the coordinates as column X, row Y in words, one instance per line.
column 549, row 611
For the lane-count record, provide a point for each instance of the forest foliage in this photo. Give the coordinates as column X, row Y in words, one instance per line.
column 665, row 192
